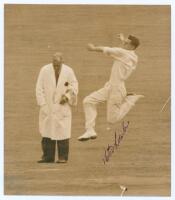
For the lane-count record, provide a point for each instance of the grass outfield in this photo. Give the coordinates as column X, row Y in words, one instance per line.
column 142, row 162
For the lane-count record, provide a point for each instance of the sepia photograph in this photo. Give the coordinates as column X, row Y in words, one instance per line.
column 87, row 100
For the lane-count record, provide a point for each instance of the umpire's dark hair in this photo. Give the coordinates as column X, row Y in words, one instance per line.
column 134, row 41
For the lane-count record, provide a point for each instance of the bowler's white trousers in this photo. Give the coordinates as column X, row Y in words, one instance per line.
column 118, row 104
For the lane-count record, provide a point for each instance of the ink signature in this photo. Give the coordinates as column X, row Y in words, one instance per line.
column 111, row 148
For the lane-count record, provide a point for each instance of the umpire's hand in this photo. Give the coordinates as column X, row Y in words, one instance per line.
column 63, row 100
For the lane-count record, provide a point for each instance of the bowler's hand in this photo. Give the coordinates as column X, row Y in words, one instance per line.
column 121, row 37
column 63, row 100
column 90, row 47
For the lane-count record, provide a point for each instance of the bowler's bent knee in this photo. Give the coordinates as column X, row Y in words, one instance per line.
column 87, row 100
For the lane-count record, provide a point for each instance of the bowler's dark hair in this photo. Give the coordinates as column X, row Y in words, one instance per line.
column 134, row 41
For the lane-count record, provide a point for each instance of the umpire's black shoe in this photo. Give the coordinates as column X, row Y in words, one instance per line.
column 45, row 161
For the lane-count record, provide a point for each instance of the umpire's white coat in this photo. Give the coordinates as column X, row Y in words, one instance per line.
column 54, row 118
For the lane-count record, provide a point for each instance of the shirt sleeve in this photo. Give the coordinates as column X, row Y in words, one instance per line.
column 72, row 91
column 114, row 52
column 40, row 94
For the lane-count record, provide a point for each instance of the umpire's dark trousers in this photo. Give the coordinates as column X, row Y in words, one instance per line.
column 48, row 148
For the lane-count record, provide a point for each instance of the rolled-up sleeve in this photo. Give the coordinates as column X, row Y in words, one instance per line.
column 114, row 52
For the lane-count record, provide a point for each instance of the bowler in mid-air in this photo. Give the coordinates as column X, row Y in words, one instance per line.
column 119, row 102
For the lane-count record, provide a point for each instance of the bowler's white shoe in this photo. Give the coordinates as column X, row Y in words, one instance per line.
column 89, row 134
column 133, row 98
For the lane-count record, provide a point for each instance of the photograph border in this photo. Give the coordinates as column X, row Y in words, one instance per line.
column 95, row 2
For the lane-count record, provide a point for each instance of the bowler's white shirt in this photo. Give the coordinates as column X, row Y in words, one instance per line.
column 125, row 62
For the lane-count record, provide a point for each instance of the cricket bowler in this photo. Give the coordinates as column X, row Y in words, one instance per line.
column 119, row 102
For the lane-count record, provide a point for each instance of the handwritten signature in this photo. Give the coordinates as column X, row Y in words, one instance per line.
column 117, row 140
